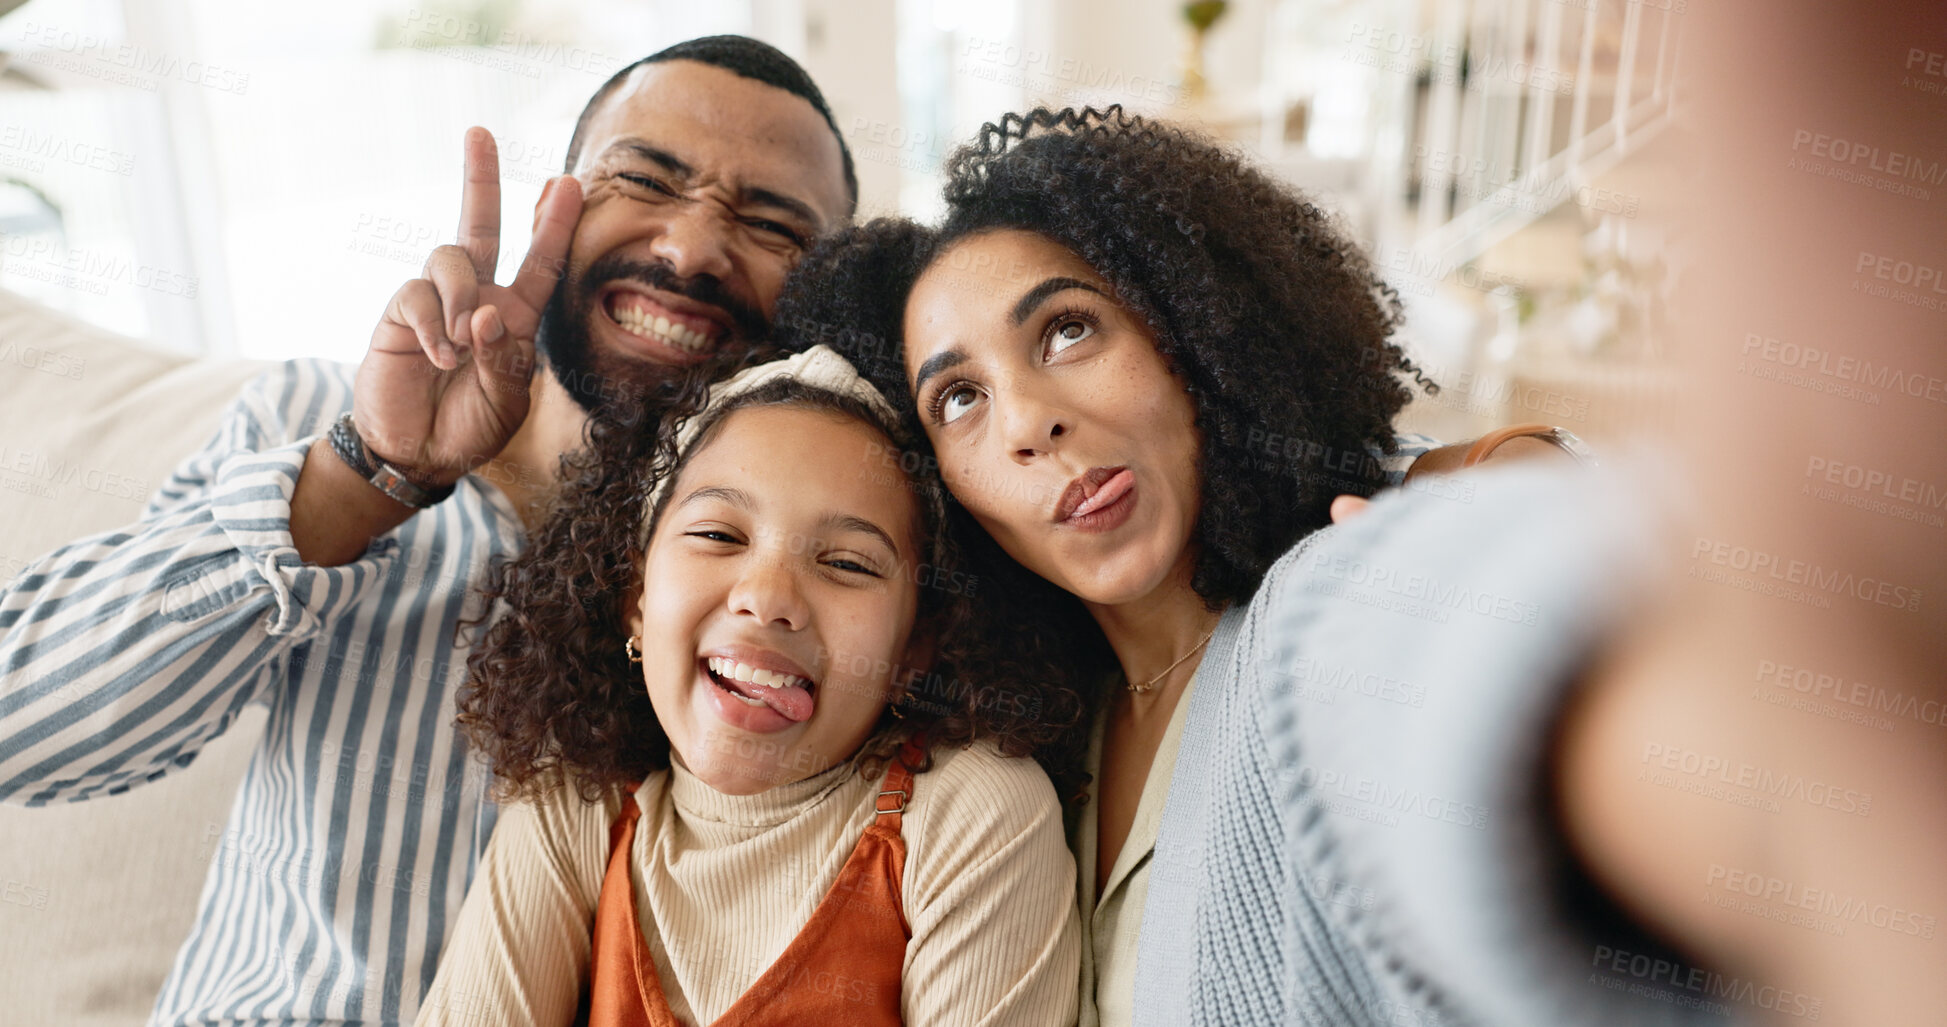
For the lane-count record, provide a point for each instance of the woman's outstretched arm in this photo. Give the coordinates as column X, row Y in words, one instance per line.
column 1802, row 643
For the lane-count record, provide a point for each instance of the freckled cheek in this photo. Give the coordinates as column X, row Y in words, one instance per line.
column 673, row 608
column 1000, row 497
column 1161, row 418
column 873, row 636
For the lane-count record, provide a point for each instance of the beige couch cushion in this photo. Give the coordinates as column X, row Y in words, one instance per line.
column 95, row 897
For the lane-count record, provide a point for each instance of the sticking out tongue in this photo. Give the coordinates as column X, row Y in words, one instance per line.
column 792, row 702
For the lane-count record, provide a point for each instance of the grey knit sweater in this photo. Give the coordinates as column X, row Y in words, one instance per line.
column 1357, row 830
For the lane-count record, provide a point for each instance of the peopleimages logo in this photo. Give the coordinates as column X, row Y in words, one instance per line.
column 1820, row 685
column 34, row 358
column 1798, row 572
column 52, row 469
column 102, row 267
column 1814, row 360
column 1384, row 798
column 1762, row 781
column 1426, row 589
column 132, row 64
column 1845, row 909
column 1886, row 162
column 23, row 140
column 1649, row 971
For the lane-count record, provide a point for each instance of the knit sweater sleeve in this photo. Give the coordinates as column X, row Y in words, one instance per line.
column 990, row 896
column 1414, row 662
column 520, row 951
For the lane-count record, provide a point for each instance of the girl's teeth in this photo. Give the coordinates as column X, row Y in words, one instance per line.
column 754, row 675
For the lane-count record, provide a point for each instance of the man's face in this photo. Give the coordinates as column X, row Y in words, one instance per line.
column 701, row 188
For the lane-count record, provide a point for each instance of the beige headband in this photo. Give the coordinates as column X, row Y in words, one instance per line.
column 820, row 367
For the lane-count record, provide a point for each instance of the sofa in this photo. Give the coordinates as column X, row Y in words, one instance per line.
column 96, row 897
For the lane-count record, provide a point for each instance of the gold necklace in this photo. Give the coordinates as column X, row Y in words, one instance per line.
column 1151, row 683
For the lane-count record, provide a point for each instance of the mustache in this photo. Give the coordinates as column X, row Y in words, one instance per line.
column 750, row 323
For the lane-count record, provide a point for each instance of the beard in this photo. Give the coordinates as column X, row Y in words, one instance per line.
column 616, row 384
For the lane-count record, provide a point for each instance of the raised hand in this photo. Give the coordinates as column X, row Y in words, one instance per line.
column 444, row 385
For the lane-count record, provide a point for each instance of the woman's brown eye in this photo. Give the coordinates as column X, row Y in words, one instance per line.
column 1067, row 334
column 955, row 402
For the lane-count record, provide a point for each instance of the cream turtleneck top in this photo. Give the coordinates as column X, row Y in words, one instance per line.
column 723, row 883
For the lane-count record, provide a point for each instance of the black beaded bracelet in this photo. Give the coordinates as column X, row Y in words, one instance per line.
column 350, row 447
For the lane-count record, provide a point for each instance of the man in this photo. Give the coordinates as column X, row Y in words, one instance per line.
column 320, row 564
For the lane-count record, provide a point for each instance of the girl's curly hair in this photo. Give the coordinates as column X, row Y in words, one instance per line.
column 550, row 693
column 1273, row 318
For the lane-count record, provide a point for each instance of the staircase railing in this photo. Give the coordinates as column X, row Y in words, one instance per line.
column 1493, row 153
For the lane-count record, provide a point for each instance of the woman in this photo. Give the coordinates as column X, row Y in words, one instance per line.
column 1144, row 371
column 735, row 809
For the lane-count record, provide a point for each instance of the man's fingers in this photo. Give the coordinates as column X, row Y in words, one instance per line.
column 417, row 306
column 504, row 364
column 1344, row 508
column 554, row 230
column 480, row 204
column 450, row 270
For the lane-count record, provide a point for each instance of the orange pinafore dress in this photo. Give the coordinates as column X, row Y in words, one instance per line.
column 843, row 968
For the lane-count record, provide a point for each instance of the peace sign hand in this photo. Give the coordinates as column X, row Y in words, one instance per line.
column 444, row 385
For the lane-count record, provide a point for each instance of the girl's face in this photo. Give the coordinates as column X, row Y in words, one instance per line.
column 778, row 597
column 1057, row 423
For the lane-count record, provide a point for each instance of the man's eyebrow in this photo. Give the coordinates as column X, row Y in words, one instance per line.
column 655, row 154
column 934, row 365
column 853, row 522
column 1033, row 297
column 725, row 493
column 795, row 207
column 750, row 194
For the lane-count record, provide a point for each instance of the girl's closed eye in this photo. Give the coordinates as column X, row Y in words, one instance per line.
column 852, row 563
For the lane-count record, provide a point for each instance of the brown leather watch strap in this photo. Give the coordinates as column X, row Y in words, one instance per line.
column 1487, row 443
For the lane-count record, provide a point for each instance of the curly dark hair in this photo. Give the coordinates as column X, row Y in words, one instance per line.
column 1269, row 313
column 550, row 694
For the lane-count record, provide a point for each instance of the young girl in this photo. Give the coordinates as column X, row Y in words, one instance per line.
column 715, row 692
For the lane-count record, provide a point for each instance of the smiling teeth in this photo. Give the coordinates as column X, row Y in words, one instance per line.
column 661, row 329
column 754, row 675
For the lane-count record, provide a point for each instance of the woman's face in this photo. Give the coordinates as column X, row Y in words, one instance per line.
column 778, row 597
column 1057, row 423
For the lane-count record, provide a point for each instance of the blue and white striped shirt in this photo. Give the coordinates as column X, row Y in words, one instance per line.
column 360, row 818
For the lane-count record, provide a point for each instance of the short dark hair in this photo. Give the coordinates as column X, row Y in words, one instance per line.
column 739, row 55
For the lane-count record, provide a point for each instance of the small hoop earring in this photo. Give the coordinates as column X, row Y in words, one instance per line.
column 893, row 708
column 628, row 646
